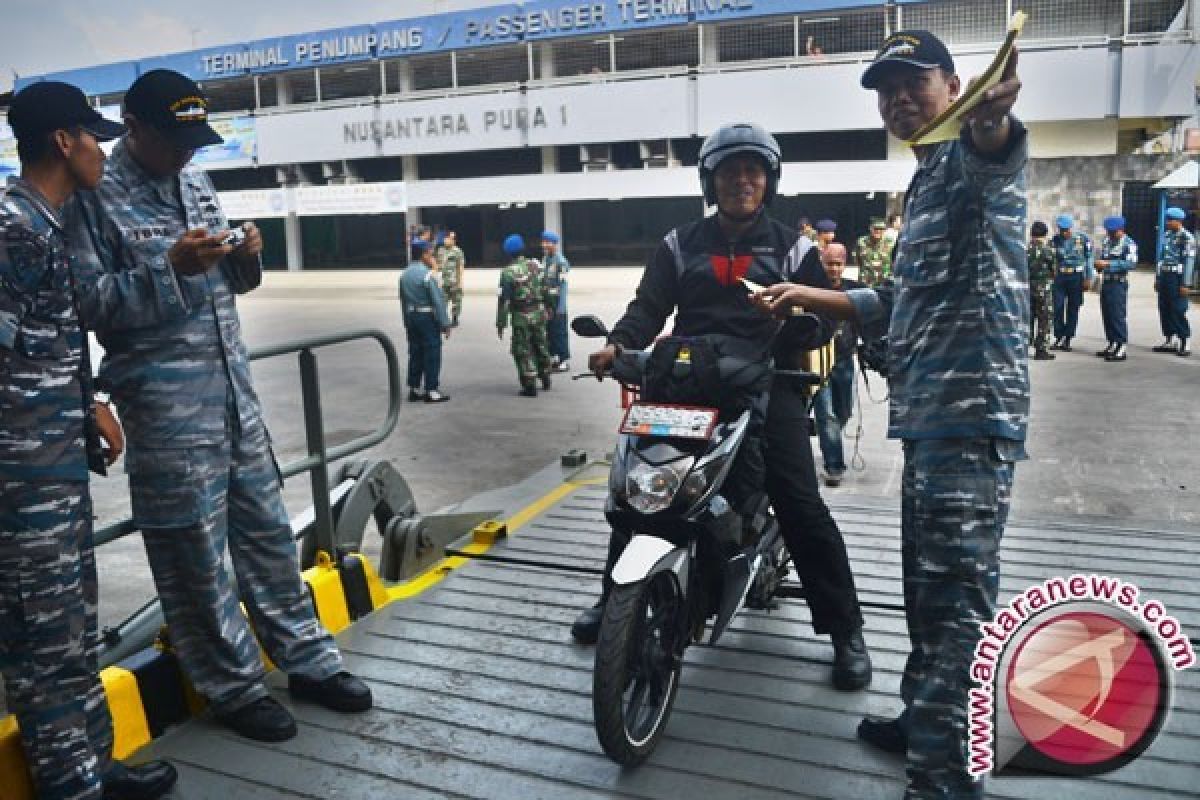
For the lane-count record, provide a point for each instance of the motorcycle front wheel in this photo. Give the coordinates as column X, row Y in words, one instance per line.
column 638, row 660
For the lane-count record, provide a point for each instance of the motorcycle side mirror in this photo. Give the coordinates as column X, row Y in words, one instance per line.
column 589, row 327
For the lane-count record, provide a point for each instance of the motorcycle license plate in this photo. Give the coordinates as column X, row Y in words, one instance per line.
column 681, row 422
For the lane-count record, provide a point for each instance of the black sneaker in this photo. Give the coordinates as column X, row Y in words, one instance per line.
column 1106, row 351
column 889, row 735
column 340, row 692
column 1168, row 346
column 586, row 628
column 1066, row 345
column 528, row 391
column 1183, row 350
column 1118, row 354
column 1044, row 355
column 1057, row 344
column 436, row 397
column 148, row 781
column 415, row 395
column 264, row 720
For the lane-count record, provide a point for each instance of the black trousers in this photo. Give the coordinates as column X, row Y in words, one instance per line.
column 812, row 537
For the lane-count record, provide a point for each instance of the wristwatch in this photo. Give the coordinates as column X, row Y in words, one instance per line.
column 104, row 398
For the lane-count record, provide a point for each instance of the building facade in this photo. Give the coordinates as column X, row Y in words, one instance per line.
column 586, row 117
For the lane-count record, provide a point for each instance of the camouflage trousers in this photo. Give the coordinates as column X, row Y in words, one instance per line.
column 454, row 298
column 48, row 637
column 956, row 495
column 530, row 349
column 1042, row 302
column 191, row 505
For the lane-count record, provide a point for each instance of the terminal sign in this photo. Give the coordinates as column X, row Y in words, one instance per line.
column 429, row 126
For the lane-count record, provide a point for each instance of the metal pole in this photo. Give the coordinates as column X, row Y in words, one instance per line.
column 382, row 78
column 454, row 69
column 317, row 82
column 314, row 433
column 1125, row 20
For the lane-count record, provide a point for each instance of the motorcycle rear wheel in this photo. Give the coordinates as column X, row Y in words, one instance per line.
column 636, row 675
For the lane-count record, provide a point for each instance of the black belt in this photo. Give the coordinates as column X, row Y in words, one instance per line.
column 420, row 309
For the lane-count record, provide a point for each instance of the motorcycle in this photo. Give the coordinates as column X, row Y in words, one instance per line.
column 691, row 557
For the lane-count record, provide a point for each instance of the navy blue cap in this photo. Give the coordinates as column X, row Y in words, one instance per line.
column 419, row 245
column 48, row 106
column 826, row 226
column 919, row 49
column 173, row 105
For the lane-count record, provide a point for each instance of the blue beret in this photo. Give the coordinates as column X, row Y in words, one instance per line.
column 1064, row 222
column 514, row 245
column 1175, row 212
column 550, row 236
column 419, row 245
column 1114, row 223
column 826, row 226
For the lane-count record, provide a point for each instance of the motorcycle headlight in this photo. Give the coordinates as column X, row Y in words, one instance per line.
column 650, row 489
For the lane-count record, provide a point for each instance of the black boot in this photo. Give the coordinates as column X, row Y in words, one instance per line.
column 889, row 735
column 586, row 628
column 1168, row 346
column 1106, row 351
column 529, row 390
column 1044, row 355
column 147, row 781
column 851, row 661
column 1183, row 350
column 546, row 380
column 1118, row 354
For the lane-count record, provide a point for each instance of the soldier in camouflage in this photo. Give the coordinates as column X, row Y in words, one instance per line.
column 1040, row 258
column 52, row 432
column 452, row 265
column 957, row 318
column 872, row 256
column 523, row 297
column 1171, row 282
column 202, row 474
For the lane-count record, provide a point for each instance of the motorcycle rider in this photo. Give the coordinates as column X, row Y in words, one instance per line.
column 696, row 272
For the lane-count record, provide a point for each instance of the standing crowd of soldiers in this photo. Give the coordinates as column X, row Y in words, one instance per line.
column 1062, row 268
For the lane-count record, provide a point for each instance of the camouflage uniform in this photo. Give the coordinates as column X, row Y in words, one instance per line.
column 1174, row 271
column 450, row 260
column 201, row 472
column 1039, row 257
column 957, row 319
column 1073, row 272
column 48, row 634
column 873, row 260
column 554, row 275
column 524, row 298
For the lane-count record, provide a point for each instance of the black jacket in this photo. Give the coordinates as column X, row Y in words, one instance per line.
column 694, row 272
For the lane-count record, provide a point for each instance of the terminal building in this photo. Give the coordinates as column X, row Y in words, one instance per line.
column 586, row 116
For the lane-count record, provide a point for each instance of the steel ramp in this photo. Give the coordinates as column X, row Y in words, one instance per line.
column 480, row 692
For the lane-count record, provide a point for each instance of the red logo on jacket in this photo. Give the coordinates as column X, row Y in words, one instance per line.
column 730, row 270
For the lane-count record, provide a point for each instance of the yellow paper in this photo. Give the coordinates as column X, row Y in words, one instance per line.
column 946, row 126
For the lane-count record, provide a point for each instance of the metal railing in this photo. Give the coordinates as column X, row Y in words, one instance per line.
column 139, row 629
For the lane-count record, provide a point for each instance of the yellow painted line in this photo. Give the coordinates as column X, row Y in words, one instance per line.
column 434, row 575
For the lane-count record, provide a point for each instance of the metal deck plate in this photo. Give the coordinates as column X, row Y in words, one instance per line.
column 480, row 692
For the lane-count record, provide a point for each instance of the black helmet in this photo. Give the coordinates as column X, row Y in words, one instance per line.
column 730, row 140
